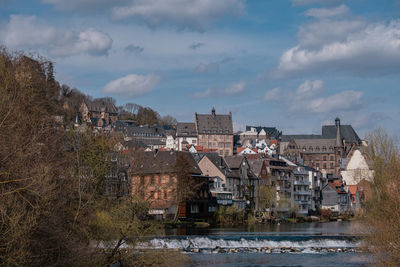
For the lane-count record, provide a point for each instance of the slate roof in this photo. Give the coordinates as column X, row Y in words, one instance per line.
column 187, row 129
column 271, row 131
column 328, row 132
column 214, row 124
column 99, row 106
column 161, row 162
column 346, row 132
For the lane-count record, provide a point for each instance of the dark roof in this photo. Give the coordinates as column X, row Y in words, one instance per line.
column 328, row 132
column 186, row 129
column 161, row 162
column 214, row 124
column 271, row 131
column 99, row 106
column 131, row 130
column 346, row 132
column 234, row 161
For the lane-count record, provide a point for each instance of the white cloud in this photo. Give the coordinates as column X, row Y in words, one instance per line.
column 306, row 99
column 133, row 85
column 343, row 101
column 373, row 49
column 203, row 94
column 235, row 88
column 310, row 88
column 185, row 14
column 273, row 94
column 90, row 42
column 327, row 12
column 27, row 32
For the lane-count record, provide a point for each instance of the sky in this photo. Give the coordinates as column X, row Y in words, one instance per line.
column 291, row 64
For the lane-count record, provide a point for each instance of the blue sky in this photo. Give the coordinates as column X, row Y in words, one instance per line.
column 293, row 64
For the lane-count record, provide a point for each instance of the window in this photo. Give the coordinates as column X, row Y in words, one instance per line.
column 331, row 165
column 332, row 158
column 165, row 194
column 324, row 157
column 194, row 141
column 152, row 180
column 324, row 165
column 310, row 148
column 324, row 148
column 194, row 208
column 317, row 148
column 317, row 165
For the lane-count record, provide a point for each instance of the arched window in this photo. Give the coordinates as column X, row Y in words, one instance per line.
column 310, row 148
column 317, row 148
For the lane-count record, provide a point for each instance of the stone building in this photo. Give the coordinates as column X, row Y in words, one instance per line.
column 324, row 151
column 215, row 131
column 98, row 112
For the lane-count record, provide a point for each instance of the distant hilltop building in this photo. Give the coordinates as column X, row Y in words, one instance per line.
column 98, row 112
column 323, row 151
column 215, row 131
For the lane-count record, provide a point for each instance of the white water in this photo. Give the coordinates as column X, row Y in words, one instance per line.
column 208, row 243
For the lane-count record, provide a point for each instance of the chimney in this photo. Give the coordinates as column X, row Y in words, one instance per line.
column 213, row 111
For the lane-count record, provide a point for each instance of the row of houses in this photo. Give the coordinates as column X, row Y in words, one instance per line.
column 306, row 172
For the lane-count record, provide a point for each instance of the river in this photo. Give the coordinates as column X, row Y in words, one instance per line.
column 303, row 244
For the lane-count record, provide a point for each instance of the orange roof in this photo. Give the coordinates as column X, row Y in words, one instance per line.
column 240, row 149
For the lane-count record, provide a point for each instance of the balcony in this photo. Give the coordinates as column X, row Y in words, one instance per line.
column 302, row 183
column 282, row 178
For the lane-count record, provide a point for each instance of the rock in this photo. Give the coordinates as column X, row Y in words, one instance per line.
column 268, row 251
column 331, row 250
column 221, row 250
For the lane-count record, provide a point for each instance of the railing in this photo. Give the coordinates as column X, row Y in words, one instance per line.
column 302, row 183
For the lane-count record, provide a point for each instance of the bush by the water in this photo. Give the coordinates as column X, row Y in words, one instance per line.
column 228, row 215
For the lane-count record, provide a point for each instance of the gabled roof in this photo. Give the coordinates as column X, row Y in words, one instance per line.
column 346, row 132
column 214, row 124
column 234, row 161
column 99, row 106
column 271, row 131
column 186, row 129
column 152, row 162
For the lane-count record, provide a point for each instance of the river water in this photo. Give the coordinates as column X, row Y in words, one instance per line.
column 305, row 244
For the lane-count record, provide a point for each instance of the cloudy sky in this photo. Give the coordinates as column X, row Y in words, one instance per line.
column 293, row 64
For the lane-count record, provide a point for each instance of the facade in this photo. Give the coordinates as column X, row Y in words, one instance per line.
column 155, row 177
column 280, row 176
column 302, row 195
column 242, row 181
column 186, row 135
column 215, row 131
column 356, row 168
column 335, row 197
column 324, row 151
